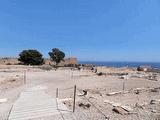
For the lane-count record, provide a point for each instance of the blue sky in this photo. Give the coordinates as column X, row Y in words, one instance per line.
column 99, row 30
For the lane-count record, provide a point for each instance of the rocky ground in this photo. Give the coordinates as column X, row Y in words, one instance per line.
column 117, row 94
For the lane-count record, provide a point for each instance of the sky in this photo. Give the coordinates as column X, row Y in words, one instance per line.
column 91, row 30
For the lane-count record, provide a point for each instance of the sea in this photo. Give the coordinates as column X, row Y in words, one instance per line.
column 122, row 64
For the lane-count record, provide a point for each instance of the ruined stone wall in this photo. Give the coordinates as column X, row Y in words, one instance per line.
column 8, row 61
column 14, row 61
column 71, row 61
column 66, row 61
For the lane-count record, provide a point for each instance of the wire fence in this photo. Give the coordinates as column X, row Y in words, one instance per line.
column 133, row 98
column 95, row 106
column 71, row 93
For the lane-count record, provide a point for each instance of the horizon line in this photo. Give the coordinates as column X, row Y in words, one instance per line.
column 119, row 61
column 79, row 60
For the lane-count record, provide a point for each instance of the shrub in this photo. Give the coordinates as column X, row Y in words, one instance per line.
column 56, row 55
column 31, row 57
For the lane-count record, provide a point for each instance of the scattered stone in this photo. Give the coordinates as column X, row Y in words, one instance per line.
column 113, row 93
column 153, row 111
column 148, row 69
column 84, row 105
column 12, row 80
column 120, row 110
column 154, row 89
column 17, row 75
column 127, row 108
column 112, row 103
column 83, row 94
column 154, row 101
column 125, row 77
column 68, row 103
column 137, row 91
column 117, row 74
column 141, row 105
column 100, row 73
column 93, row 91
column 152, row 77
column 143, row 68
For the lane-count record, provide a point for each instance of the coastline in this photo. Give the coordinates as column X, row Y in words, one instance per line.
column 121, row 64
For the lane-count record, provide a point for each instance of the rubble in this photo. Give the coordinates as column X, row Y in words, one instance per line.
column 155, row 89
column 116, row 93
column 117, row 74
column 153, row 111
column 84, row 105
column 112, row 103
column 120, row 110
column 152, row 77
column 125, row 77
column 83, row 94
column 141, row 105
column 155, row 101
column 148, row 69
column 138, row 90
column 143, row 68
column 113, row 93
column 127, row 108
column 101, row 73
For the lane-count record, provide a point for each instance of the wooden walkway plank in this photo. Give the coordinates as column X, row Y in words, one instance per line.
column 35, row 104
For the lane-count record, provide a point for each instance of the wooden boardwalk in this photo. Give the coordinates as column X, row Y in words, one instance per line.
column 35, row 104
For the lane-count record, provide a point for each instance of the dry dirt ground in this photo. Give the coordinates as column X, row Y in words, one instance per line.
column 134, row 95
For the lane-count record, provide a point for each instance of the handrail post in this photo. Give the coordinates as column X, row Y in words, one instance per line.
column 24, row 77
column 57, row 93
column 74, row 100
column 123, row 85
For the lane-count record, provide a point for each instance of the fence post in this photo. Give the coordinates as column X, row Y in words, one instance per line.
column 74, row 100
column 72, row 74
column 57, row 93
column 24, row 77
column 123, row 85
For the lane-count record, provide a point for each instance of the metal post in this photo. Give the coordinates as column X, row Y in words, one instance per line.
column 24, row 77
column 74, row 100
column 123, row 85
column 57, row 93
column 72, row 74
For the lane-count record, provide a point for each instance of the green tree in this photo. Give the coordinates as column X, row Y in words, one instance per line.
column 31, row 57
column 56, row 55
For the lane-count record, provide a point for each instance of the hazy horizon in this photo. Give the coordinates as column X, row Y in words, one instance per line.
column 91, row 30
column 92, row 60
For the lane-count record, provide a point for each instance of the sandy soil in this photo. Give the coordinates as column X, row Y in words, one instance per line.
column 97, row 87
